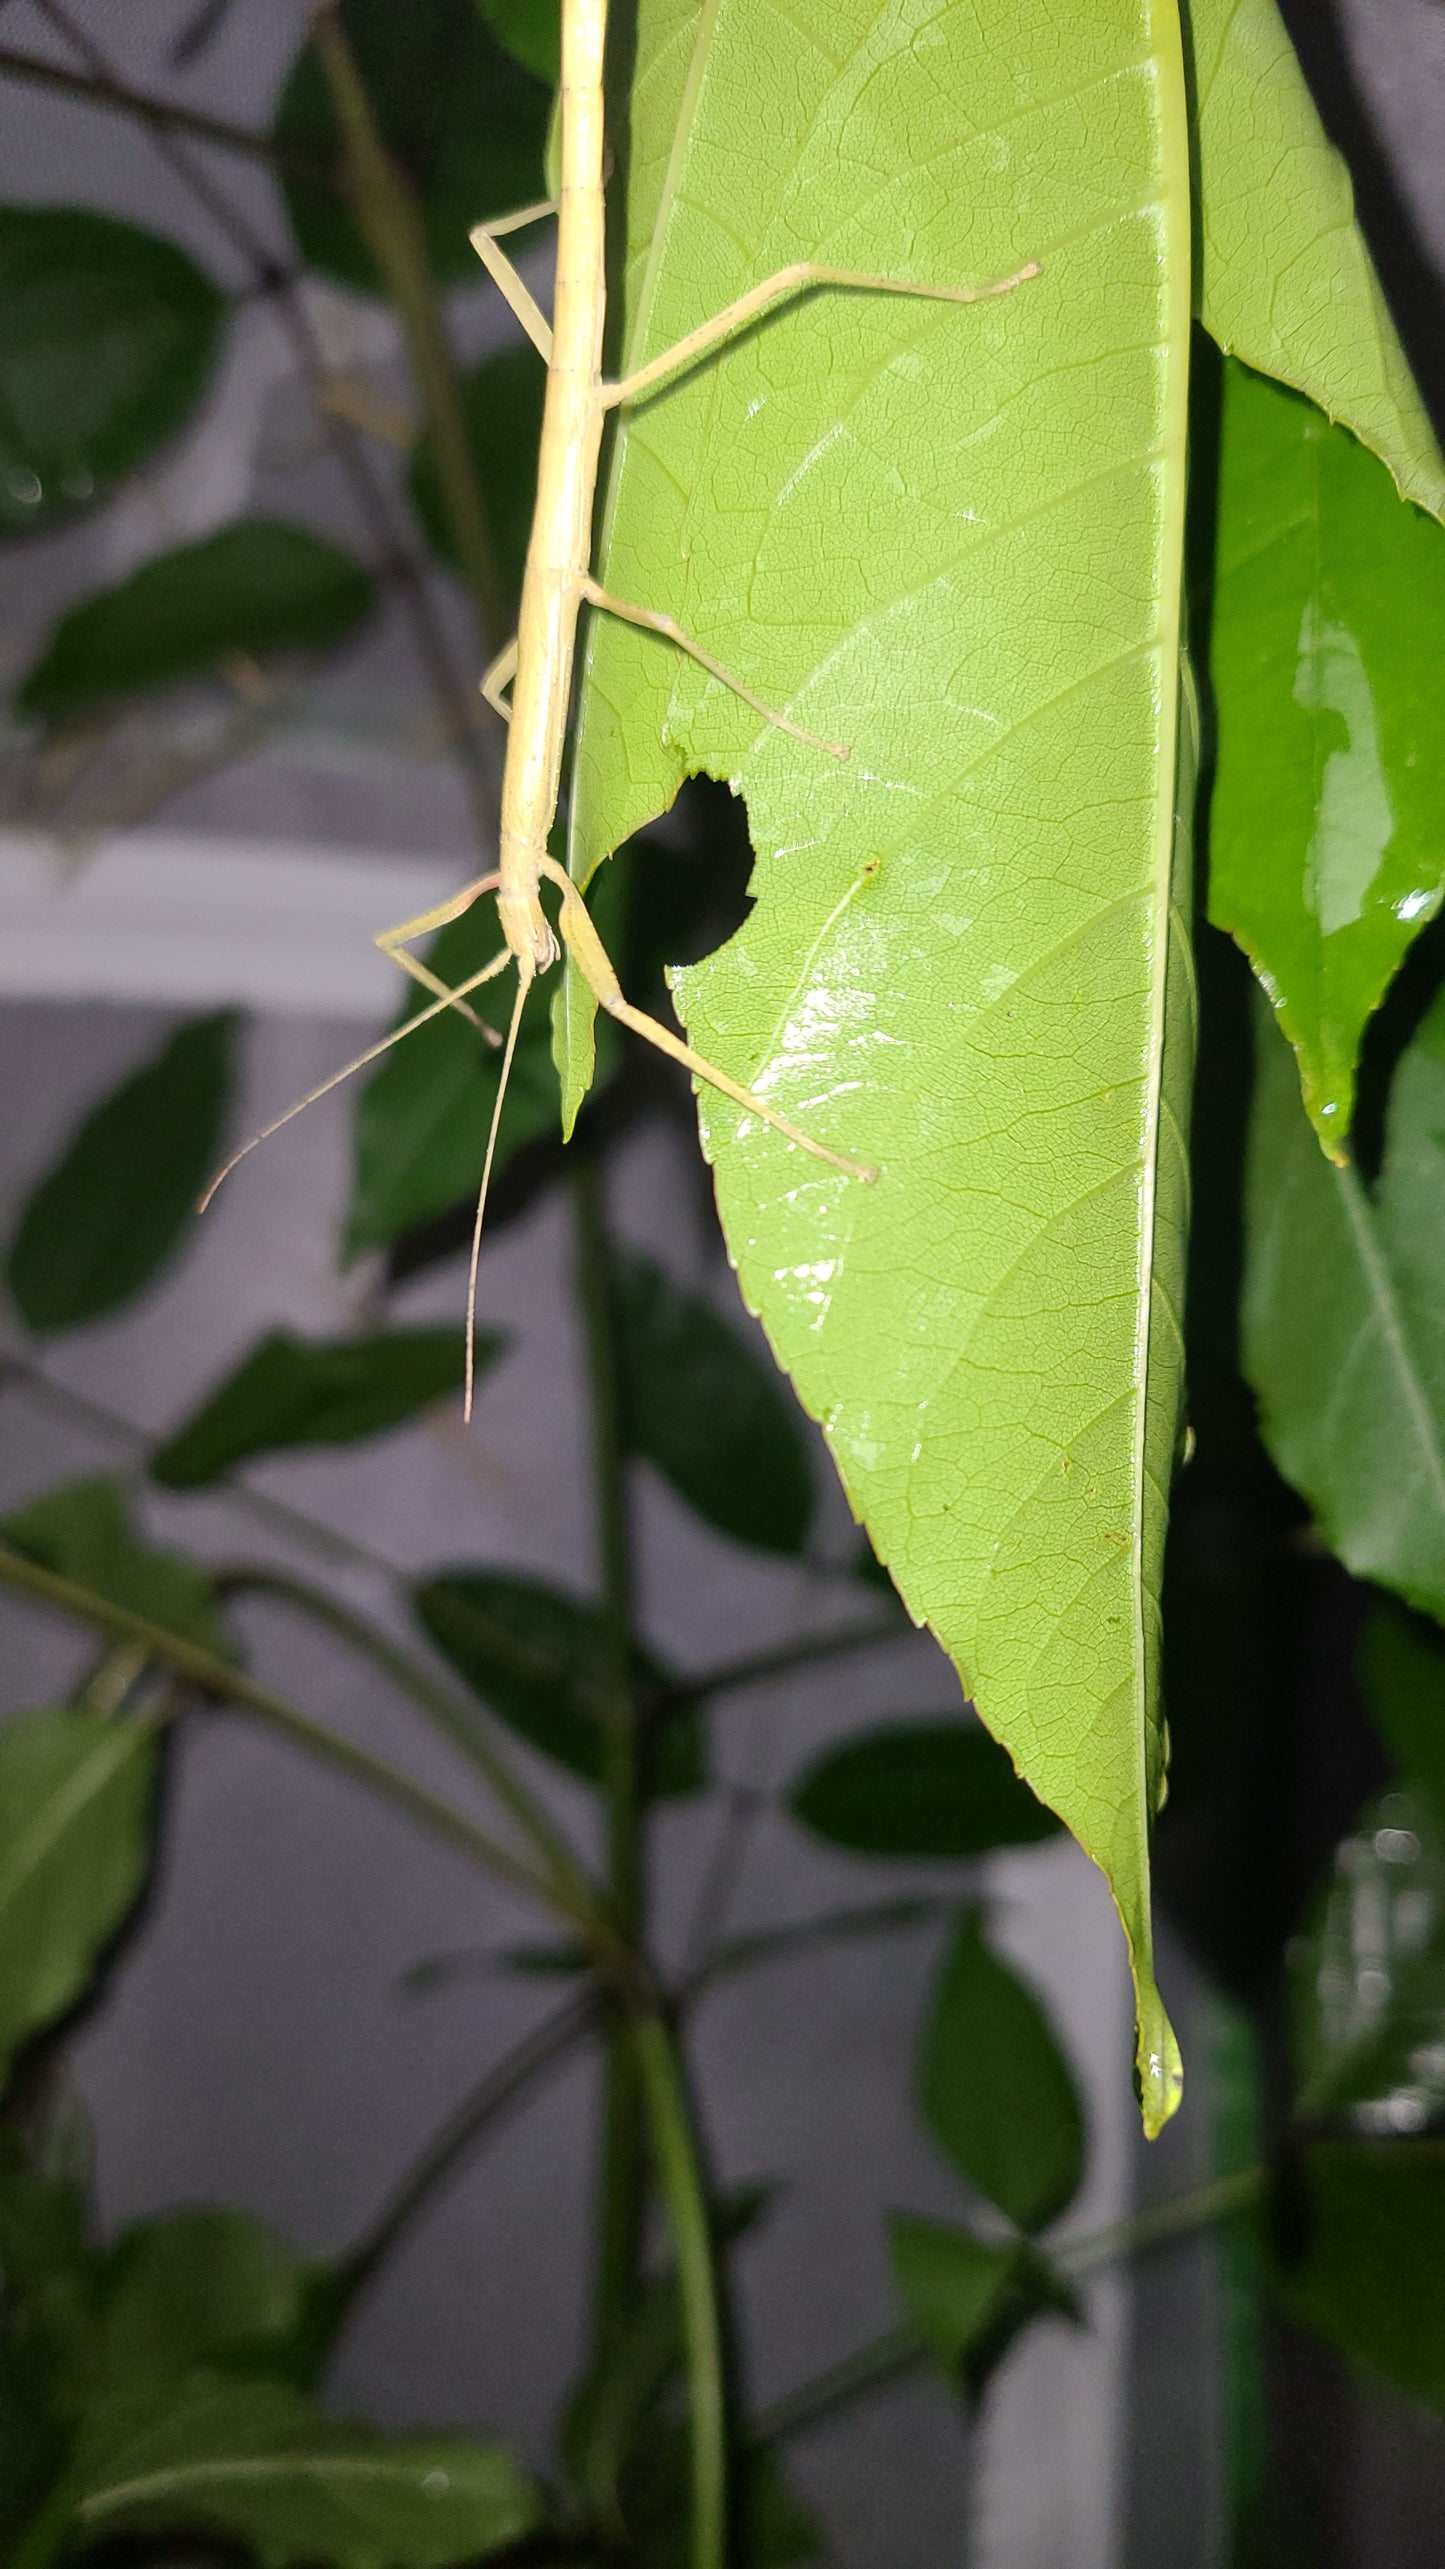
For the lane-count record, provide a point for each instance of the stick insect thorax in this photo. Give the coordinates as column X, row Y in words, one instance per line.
column 557, row 583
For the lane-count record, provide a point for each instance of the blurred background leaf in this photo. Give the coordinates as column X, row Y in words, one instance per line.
column 502, row 404
column 292, row 1391
column 107, row 338
column 82, row 1531
column 997, row 2094
column 122, row 1197
column 925, row 1789
column 463, row 120
column 75, row 1802
column 709, row 1411
column 253, row 592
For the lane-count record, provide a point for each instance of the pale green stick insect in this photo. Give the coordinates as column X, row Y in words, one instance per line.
column 558, row 583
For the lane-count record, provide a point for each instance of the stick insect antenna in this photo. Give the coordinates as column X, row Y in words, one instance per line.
column 524, row 984
column 372, row 1053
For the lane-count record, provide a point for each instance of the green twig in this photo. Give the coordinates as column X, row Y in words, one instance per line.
column 869, row 2368
column 760, row 1665
column 680, row 2182
column 459, row 1723
column 622, row 2184
column 232, row 1686
column 548, row 2042
column 390, row 219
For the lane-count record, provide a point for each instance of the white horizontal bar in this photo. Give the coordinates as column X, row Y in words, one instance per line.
column 199, row 921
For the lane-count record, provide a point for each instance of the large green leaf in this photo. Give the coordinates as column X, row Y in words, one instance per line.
column 1286, row 281
column 293, row 1391
column 75, row 1796
column 1343, row 1320
column 997, row 2092
column 709, row 1412
column 530, row 29
column 82, row 1531
column 259, row 589
column 920, row 1789
column 257, row 2463
column 463, row 120
column 121, row 1198
column 537, row 1658
column 1327, row 651
column 952, row 540
column 950, row 2283
column 107, row 336
column 1373, row 2223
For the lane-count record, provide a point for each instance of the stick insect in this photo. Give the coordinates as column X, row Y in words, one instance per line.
column 538, row 664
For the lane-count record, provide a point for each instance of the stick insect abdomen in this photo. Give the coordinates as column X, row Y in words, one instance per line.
column 560, row 548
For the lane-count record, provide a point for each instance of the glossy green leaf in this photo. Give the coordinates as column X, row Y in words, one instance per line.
column 1402, row 1668
column 205, row 2286
column 107, row 337
column 1373, row 2221
column 502, row 405
column 75, row 1802
column 1286, row 280
column 1367, row 1976
column 530, row 29
column 996, row 2090
column 462, row 119
column 951, row 2284
column 1343, row 1325
column 709, row 1411
column 334, row 1391
column 422, row 1118
column 1327, row 652
column 258, row 2464
column 82, row 1531
column 537, row 1659
column 951, row 540
column 121, row 1199
column 257, row 589
column 920, row 1789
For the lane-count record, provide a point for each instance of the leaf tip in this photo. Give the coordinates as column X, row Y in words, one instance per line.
column 1159, row 2066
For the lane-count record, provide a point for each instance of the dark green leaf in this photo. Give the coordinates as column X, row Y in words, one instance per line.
column 199, row 2287
column 537, row 1659
column 256, row 2462
column 710, row 1412
column 530, row 29
column 950, row 2283
column 117, row 1204
column 292, row 1391
column 1372, row 2217
column 49, row 2282
column 461, row 118
column 107, row 336
column 423, row 1117
column 1343, row 1321
column 75, row 1805
column 996, row 2089
column 81, row 1531
column 920, row 1789
column 1402, row 1666
column 1327, row 651
column 502, row 401
column 1368, row 1976
column 257, row 589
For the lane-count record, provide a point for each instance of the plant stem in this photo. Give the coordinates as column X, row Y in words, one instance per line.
column 760, row 1665
column 232, row 1686
column 94, row 89
column 869, row 2368
column 623, row 2176
column 458, row 1723
column 684, row 2197
column 502, row 2086
column 387, row 211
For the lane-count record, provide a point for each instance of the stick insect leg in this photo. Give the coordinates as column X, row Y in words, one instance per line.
column 498, row 674
column 800, row 278
column 394, row 942
column 502, row 273
column 373, row 1052
column 652, row 622
column 593, row 962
